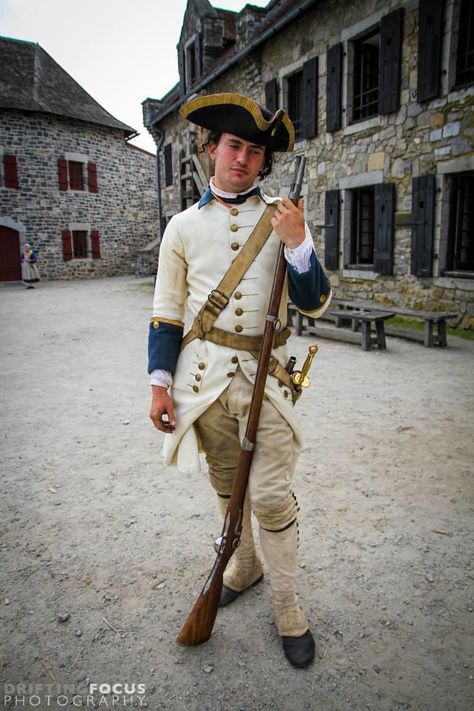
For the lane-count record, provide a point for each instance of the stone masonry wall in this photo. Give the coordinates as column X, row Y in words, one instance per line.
column 416, row 140
column 124, row 210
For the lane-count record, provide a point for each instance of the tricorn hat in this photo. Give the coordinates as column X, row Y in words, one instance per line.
column 237, row 114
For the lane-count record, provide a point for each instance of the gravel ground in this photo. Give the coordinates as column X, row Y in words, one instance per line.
column 103, row 550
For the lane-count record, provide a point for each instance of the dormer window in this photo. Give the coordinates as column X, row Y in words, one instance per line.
column 191, row 70
column 191, row 63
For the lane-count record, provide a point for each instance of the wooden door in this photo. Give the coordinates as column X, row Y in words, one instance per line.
column 10, row 266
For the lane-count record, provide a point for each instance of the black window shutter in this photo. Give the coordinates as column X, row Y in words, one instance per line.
column 384, row 199
column 168, row 156
column 182, row 71
column 429, row 48
column 310, row 97
column 331, row 230
column 422, row 212
column 271, row 95
column 334, row 88
column 391, row 30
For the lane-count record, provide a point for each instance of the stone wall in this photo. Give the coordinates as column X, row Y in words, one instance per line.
column 124, row 210
column 435, row 137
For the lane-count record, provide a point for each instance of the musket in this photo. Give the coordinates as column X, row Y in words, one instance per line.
column 200, row 621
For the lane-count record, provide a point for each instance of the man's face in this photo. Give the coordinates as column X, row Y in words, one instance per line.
column 237, row 162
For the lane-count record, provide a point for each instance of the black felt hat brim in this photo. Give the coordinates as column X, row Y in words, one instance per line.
column 239, row 115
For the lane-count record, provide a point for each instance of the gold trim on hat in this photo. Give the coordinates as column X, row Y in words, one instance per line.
column 246, row 103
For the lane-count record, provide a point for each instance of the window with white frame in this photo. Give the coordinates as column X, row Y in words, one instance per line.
column 77, row 173
column 79, row 241
column 373, row 75
column 299, row 96
column 366, row 76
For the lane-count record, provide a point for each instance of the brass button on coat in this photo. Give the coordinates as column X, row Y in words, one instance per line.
column 197, row 377
column 234, row 211
column 195, row 388
column 235, row 246
column 234, row 228
column 230, row 375
column 234, row 359
column 239, row 311
column 156, row 324
column 201, row 366
column 239, row 328
column 237, row 295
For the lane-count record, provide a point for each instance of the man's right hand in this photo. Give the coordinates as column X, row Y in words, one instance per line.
column 162, row 405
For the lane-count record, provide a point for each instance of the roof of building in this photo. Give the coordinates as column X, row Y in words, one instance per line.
column 274, row 18
column 30, row 80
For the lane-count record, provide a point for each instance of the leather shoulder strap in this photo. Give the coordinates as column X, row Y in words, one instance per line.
column 260, row 233
column 219, row 297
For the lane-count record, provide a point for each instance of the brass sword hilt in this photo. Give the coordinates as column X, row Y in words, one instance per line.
column 300, row 377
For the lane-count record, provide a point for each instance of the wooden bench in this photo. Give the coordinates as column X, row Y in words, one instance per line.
column 360, row 330
column 434, row 333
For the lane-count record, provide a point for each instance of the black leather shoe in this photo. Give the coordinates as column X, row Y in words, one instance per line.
column 228, row 595
column 299, row 650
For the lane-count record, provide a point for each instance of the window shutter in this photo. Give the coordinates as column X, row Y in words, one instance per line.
column 331, row 233
column 67, row 245
column 429, row 48
column 168, row 156
column 92, row 178
column 422, row 213
column 384, row 198
column 62, row 174
column 310, row 97
column 11, row 171
column 391, row 27
column 334, row 88
column 271, row 95
column 182, row 71
column 95, row 244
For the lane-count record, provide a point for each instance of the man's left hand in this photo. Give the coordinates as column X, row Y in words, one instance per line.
column 288, row 223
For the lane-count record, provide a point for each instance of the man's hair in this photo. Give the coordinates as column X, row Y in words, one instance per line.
column 215, row 136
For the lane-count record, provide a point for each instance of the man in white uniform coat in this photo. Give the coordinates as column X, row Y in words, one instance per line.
column 202, row 375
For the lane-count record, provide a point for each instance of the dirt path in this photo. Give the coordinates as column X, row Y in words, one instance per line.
column 97, row 533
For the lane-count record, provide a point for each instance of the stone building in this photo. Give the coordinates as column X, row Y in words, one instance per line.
column 381, row 95
column 70, row 184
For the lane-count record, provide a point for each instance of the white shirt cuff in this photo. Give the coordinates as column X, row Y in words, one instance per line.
column 161, row 378
column 300, row 257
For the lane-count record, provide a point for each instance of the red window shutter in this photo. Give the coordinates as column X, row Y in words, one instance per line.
column 67, row 245
column 11, row 171
column 95, row 244
column 92, row 178
column 62, row 174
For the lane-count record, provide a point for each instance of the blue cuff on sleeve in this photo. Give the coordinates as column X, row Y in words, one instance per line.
column 306, row 289
column 164, row 343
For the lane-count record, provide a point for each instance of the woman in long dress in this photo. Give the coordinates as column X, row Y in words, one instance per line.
column 29, row 270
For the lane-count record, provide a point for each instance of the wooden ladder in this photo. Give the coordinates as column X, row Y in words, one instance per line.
column 193, row 181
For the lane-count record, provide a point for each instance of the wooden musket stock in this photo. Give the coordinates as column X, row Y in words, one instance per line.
column 200, row 621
